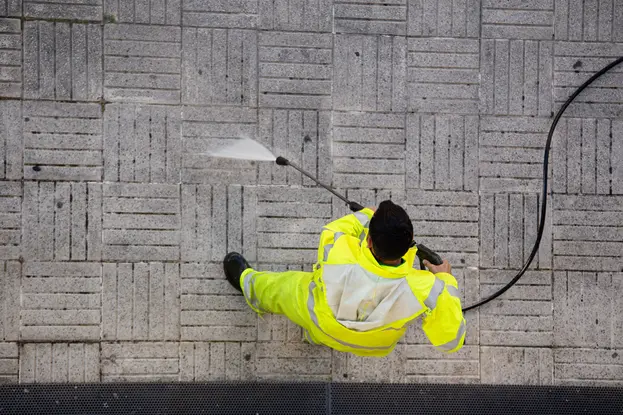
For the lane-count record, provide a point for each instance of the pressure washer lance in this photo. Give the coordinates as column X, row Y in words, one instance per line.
column 423, row 252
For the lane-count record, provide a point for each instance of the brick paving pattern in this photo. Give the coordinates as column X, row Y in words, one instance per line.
column 114, row 222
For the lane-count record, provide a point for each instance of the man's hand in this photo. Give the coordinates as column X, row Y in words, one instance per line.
column 443, row 267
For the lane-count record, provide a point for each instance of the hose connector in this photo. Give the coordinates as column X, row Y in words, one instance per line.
column 282, row 161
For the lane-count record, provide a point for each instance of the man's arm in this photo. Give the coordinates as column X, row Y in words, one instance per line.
column 445, row 325
column 352, row 224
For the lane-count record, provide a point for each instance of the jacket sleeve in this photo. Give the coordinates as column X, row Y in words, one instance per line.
column 444, row 325
column 355, row 224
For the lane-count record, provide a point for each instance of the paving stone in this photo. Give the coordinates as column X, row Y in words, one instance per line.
column 277, row 328
column 370, row 16
column 296, row 15
column 368, row 151
column 240, row 14
column 62, row 61
column 197, row 222
column 11, row 141
column 140, row 301
column 424, row 364
column 443, row 18
column 594, row 367
column 350, row 368
column 10, row 54
column 9, row 363
column 61, row 301
column 511, row 153
column 512, row 19
column 64, row 9
column 212, row 310
column 588, row 21
column 141, row 222
column 587, row 309
column 575, row 63
column 11, row 8
column 295, row 70
column 213, row 222
column 59, row 221
column 142, row 63
column 140, row 362
column 301, row 136
column 586, row 157
column 516, row 77
column 207, row 129
column 62, row 141
column 10, row 278
column 59, row 363
column 219, row 66
column 441, row 152
column 447, row 223
column 142, row 143
column 293, row 220
column 442, row 75
column 10, row 223
column 520, row 317
column 516, row 365
column 508, row 230
column 292, row 361
column 227, row 361
column 587, row 233
column 163, row 12
column 370, row 73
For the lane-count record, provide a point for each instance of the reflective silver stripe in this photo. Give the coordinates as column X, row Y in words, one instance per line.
column 249, row 290
column 312, row 313
column 363, row 218
column 362, row 236
column 308, row 337
column 247, row 283
column 431, row 300
column 454, row 292
column 328, row 247
column 392, row 328
column 451, row 345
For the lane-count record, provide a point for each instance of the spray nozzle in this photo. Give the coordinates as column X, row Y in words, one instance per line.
column 282, row 161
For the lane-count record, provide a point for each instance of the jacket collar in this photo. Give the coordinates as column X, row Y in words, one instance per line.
column 369, row 262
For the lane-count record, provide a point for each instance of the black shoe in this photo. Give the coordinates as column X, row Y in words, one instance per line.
column 234, row 265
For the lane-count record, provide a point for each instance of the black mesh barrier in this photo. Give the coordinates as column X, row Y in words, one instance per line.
column 473, row 399
column 174, row 398
column 306, row 398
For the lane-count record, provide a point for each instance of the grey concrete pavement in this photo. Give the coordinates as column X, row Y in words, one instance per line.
column 113, row 223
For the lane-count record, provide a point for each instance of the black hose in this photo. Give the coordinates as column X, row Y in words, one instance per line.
column 535, row 248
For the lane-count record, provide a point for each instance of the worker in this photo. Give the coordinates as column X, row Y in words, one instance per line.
column 363, row 291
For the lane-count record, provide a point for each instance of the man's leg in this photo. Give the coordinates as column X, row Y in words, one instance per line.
column 271, row 292
column 278, row 293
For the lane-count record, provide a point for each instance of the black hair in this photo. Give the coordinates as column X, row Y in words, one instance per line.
column 391, row 231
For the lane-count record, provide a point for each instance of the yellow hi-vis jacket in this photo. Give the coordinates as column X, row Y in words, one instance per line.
column 359, row 306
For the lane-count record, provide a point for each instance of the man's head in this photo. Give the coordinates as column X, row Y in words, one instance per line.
column 391, row 231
